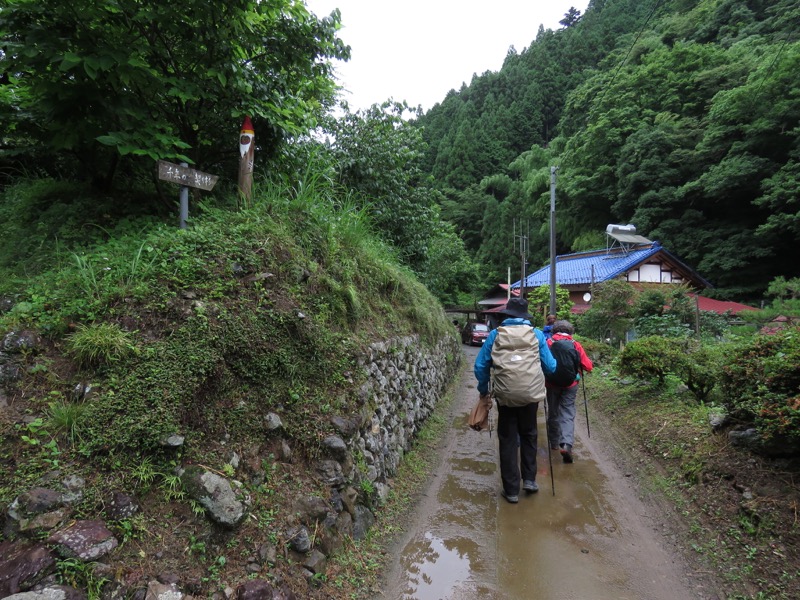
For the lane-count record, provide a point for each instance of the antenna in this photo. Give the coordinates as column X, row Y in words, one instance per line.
column 522, row 230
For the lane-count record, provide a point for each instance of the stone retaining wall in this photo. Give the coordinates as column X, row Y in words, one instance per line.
column 405, row 382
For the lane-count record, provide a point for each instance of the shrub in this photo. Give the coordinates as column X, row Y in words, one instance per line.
column 780, row 417
column 713, row 324
column 761, row 382
column 697, row 365
column 600, row 352
column 668, row 325
column 650, row 357
column 699, row 368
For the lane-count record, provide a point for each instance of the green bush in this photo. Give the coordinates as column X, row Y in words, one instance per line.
column 667, row 325
column 699, row 367
column 650, row 357
column 761, row 383
column 696, row 364
column 600, row 352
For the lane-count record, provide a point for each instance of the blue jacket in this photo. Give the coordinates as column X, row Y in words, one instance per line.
column 483, row 362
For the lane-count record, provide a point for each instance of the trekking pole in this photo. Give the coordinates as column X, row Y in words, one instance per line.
column 549, row 451
column 585, row 404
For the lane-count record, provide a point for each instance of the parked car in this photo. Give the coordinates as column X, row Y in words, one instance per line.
column 474, row 334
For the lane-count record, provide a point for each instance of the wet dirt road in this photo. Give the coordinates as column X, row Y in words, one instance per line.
column 593, row 540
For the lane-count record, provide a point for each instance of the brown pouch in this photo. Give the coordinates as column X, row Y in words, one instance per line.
column 479, row 416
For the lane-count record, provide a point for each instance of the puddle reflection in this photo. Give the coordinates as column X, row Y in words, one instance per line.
column 436, row 567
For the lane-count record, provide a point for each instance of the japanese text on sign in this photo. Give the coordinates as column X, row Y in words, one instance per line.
column 186, row 176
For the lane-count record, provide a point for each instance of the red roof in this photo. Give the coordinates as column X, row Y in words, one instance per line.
column 706, row 304
column 504, row 286
column 720, row 306
column 497, row 309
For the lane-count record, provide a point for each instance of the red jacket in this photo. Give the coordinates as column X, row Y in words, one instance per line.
column 586, row 362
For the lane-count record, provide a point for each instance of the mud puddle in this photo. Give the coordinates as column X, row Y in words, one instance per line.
column 592, row 540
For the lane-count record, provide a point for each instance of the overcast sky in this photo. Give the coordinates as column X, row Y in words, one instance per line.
column 418, row 50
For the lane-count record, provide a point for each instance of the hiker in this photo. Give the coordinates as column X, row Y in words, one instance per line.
column 515, row 358
column 547, row 330
column 562, row 387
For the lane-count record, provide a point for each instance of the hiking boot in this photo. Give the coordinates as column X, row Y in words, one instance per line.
column 566, row 453
column 530, row 486
column 513, row 499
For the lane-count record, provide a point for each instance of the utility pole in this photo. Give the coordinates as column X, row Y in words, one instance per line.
column 553, row 240
column 523, row 253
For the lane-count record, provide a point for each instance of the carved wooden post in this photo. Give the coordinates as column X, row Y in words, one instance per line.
column 247, row 150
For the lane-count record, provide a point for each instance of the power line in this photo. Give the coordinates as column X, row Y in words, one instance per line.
column 624, row 60
column 769, row 71
column 619, row 67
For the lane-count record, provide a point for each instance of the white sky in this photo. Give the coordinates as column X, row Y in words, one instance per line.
column 418, row 50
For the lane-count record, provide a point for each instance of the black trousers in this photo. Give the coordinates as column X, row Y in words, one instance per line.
column 518, row 436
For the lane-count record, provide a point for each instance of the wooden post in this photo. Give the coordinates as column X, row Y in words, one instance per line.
column 184, row 203
column 247, row 150
column 697, row 315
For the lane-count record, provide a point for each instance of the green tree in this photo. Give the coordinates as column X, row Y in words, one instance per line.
column 539, row 303
column 376, row 153
column 782, row 288
column 447, row 271
column 163, row 80
column 609, row 317
column 571, row 17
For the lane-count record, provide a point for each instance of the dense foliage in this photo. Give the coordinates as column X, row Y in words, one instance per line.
column 680, row 117
column 761, row 383
column 158, row 317
column 86, row 82
column 695, row 363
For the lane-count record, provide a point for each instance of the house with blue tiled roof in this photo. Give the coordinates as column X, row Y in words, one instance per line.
column 628, row 256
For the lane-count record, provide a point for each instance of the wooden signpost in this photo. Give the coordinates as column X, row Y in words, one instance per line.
column 183, row 175
column 186, row 178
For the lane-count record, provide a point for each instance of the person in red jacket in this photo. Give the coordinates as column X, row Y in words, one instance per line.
column 561, row 394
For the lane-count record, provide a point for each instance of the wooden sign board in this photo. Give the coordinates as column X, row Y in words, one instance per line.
column 185, row 176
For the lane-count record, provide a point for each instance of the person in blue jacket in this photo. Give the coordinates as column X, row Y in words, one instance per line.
column 516, row 425
column 547, row 330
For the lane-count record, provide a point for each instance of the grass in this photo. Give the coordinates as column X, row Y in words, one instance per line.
column 199, row 332
column 100, row 344
column 80, row 574
column 66, row 418
column 701, row 476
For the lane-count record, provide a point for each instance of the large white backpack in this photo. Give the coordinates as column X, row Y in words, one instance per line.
column 517, row 378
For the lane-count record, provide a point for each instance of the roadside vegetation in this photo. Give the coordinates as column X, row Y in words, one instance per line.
column 119, row 329
column 156, row 330
column 710, row 423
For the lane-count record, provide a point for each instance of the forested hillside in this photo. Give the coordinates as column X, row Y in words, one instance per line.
column 678, row 116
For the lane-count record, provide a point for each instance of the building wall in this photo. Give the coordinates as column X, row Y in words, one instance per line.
column 653, row 273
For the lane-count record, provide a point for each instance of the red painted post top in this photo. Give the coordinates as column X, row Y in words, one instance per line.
column 247, row 126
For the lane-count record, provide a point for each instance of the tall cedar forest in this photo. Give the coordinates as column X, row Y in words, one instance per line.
column 680, row 117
